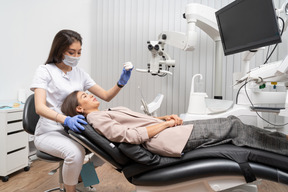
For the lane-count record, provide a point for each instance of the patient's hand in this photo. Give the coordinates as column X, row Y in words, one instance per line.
column 171, row 123
column 178, row 120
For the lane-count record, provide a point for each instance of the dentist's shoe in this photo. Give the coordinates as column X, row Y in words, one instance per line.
column 81, row 188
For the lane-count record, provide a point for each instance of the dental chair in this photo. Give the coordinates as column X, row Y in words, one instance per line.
column 220, row 168
column 30, row 119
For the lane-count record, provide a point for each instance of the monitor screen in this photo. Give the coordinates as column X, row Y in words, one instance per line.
column 247, row 24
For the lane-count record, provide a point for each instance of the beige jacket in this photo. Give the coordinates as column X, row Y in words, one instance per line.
column 120, row 124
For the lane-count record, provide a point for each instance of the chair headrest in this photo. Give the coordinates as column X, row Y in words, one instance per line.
column 105, row 144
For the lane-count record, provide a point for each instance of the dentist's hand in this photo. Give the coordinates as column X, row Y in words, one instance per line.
column 126, row 73
column 74, row 123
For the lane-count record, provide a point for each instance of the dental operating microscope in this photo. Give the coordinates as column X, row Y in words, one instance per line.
column 275, row 73
column 196, row 15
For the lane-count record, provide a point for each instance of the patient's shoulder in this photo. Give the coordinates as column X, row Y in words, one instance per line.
column 96, row 116
column 118, row 108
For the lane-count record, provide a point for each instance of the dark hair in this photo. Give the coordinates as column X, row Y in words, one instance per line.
column 62, row 40
column 69, row 104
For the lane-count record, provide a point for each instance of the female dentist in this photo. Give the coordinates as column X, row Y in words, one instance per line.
column 52, row 83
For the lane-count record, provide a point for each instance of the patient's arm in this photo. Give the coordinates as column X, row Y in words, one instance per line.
column 170, row 121
column 117, row 132
column 157, row 128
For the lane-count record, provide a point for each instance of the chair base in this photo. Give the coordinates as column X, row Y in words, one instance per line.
column 61, row 188
column 207, row 184
column 61, row 185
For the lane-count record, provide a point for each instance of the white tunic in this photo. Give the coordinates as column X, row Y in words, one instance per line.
column 58, row 86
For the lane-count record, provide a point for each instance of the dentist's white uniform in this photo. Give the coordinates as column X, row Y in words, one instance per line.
column 50, row 137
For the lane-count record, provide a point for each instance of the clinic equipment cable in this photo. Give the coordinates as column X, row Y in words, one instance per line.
column 244, row 85
column 282, row 30
column 257, row 111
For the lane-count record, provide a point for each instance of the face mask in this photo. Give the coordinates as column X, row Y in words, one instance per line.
column 71, row 61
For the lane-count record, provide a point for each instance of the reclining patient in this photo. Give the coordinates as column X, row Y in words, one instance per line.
column 167, row 135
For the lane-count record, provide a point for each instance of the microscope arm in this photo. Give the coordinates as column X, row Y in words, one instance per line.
column 196, row 15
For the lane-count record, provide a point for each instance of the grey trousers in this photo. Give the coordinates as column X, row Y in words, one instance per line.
column 211, row 132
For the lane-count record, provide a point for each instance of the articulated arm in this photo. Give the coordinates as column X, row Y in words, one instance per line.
column 196, row 15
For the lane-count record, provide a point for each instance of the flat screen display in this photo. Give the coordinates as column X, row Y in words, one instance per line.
column 247, row 25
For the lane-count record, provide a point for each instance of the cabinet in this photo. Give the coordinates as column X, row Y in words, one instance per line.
column 14, row 147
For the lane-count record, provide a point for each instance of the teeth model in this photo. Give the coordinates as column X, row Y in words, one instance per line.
column 128, row 65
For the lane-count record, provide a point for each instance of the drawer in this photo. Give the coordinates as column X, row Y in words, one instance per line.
column 16, row 141
column 14, row 126
column 14, row 116
column 17, row 160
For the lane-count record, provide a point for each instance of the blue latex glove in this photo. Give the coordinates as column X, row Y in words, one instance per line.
column 125, row 76
column 74, row 123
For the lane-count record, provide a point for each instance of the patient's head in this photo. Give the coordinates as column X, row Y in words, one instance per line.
column 79, row 102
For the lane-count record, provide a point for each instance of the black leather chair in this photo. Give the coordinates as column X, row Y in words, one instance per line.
column 30, row 119
column 223, row 167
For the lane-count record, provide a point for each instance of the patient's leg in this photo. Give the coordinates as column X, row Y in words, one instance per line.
column 210, row 132
column 249, row 135
column 213, row 132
